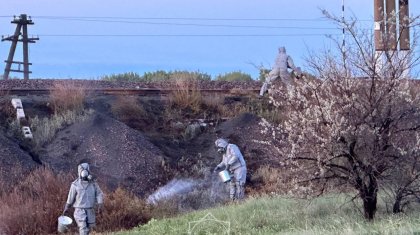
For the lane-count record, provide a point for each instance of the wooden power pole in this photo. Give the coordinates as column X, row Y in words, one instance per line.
column 21, row 25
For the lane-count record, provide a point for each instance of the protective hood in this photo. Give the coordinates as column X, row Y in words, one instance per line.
column 81, row 168
column 221, row 143
column 282, row 50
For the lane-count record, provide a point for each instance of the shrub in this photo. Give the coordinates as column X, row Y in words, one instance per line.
column 123, row 77
column 234, row 76
column 159, row 75
column 67, row 96
column 35, row 204
column 186, row 94
column 122, row 210
column 128, row 110
column 7, row 111
column 32, row 208
column 126, row 107
column 189, row 75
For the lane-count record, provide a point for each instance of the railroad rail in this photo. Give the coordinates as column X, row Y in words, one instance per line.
column 123, row 91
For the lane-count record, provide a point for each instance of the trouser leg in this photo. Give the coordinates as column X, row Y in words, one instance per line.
column 263, row 88
column 240, row 190
column 81, row 217
column 232, row 189
column 240, row 179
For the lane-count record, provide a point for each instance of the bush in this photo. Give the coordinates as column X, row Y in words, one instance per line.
column 122, row 210
column 156, row 76
column 175, row 75
column 66, row 96
column 123, row 77
column 32, row 208
column 189, row 75
column 186, row 94
column 35, row 204
column 159, row 75
column 128, row 110
column 234, row 76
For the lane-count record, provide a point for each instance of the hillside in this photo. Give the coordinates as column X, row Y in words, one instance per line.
column 330, row 214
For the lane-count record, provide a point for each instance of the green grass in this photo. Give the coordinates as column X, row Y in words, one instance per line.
column 326, row 215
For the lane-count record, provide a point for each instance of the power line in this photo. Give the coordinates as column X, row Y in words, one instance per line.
column 181, row 35
column 192, row 24
column 183, row 18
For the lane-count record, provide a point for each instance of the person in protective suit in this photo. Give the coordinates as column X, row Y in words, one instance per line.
column 84, row 195
column 233, row 161
column 282, row 63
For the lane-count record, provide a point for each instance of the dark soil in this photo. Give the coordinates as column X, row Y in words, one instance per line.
column 146, row 153
column 15, row 163
column 119, row 155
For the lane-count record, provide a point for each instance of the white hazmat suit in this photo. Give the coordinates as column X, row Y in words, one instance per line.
column 282, row 63
column 234, row 162
column 84, row 195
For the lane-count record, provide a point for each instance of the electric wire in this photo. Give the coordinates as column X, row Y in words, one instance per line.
column 181, row 18
column 181, row 35
column 195, row 24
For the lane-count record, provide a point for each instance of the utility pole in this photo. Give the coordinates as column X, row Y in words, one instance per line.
column 385, row 27
column 379, row 25
column 385, row 30
column 21, row 25
column 404, row 25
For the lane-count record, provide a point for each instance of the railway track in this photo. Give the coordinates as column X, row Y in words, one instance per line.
column 122, row 91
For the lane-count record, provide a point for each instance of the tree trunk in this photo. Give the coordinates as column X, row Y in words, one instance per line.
column 397, row 204
column 369, row 195
column 369, row 206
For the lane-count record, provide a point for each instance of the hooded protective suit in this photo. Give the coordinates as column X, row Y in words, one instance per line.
column 83, row 195
column 234, row 162
column 282, row 63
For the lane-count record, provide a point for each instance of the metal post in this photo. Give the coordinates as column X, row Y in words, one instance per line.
column 391, row 25
column 379, row 25
column 404, row 25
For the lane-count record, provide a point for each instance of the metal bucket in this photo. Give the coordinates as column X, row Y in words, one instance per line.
column 63, row 223
column 225, row 176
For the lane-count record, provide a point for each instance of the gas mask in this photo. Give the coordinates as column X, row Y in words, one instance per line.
column 221, row 150
column 221, row 145
column 84, row 173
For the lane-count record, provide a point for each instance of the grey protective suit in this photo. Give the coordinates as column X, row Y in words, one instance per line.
column 234, row 162
column 282, row 63
column 84, row 194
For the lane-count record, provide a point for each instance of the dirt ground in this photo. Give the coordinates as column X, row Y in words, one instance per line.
column 144, row 156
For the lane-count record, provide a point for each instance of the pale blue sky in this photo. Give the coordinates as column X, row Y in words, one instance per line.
column 58, row 56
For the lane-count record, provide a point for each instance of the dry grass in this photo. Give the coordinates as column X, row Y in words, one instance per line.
column 33, row 206
column 186, row 95
column 7, row 110
column 122, row 210
column 269, row 180
column 44, row 129
column 128, row 110
column 66, row 96
column 4, row 93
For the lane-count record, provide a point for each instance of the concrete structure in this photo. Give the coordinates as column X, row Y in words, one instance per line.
column 17, row 103
column 27, row 133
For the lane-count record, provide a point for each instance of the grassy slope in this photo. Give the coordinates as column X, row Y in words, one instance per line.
column 327, row 215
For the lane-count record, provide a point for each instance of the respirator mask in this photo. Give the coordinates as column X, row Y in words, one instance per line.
column 84, row 175
column 84, row 172
column 221, row 150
